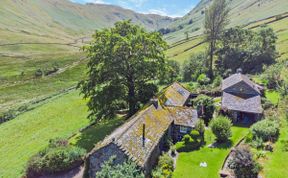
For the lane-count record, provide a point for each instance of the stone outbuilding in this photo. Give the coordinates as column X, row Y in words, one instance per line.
column 241, row 99
column 141, row 139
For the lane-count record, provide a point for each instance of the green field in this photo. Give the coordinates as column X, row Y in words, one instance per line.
column 30, row 132
column 188, row 162
column 15, row 91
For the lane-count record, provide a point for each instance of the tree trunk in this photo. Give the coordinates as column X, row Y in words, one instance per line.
column 131, row 97
column 210, row 73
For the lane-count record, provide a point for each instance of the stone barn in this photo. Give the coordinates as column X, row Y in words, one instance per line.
column 241, row 99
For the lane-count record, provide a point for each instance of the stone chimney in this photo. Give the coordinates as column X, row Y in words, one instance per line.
column 239, row 71
column 155, row 102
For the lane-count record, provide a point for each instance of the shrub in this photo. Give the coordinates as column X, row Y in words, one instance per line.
column 266, row 130
column 217, row 81
column 203, row 79
column 127, row 169
column 186, row 139
column 243, row 164
column 266, row 104
column 221, row 128
column 200, row 127
column 164, row 168
column 205, row 106
column 55, row 158
column 257, row 143
column 195, row 135
column 39, row 73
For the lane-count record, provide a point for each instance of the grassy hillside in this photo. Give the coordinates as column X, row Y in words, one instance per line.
column 63, row 21
column 183, row 49
column 242, row 12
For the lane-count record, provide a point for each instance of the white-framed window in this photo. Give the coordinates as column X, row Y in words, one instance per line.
column 183, row 129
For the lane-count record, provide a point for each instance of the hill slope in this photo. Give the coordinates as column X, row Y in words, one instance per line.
column 242, row 12
column 58, row 20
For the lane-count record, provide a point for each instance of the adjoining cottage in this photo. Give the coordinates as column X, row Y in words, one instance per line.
column 241, row 98
column 141, row 139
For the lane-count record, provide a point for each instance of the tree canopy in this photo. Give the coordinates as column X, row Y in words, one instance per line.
column 246, row 49
column 122, row 62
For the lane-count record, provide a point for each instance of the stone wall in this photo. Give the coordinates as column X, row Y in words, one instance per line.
column 102, row 155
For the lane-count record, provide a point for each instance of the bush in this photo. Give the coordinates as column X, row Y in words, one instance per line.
column 257, row 143
column 217, row 81
column 58, row 157
column 39, row 73
column 221, row 128
column 186, row 139
column 200, row 127
column 195, row 135
column 164, row 168
column 266, row 104
column 203, row 79
column 243, row 164
column 266, row 130
column 127, row 169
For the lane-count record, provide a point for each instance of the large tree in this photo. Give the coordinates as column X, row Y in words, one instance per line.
column 216, row 19
column 246, row 49
column 122, row 62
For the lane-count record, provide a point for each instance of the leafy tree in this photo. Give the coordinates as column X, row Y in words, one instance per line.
column 171, row 73
column 243, row 164
column 221, row 128
column 122, row 60
column 216, row 18
column 111, row 170
column 194, row 67
column 246, row 49
column 275, row 77
column 205, row 106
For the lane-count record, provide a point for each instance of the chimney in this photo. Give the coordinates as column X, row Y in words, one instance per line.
column 239, row 71
column 155, row 102
column 143, row 135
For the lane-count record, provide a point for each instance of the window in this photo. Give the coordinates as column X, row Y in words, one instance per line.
column 183, row 129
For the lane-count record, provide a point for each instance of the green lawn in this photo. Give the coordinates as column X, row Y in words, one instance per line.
column 30, row 132
column 188, row 162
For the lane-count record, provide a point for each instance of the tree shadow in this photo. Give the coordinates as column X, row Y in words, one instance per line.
column 92, row 135
column 225, row 145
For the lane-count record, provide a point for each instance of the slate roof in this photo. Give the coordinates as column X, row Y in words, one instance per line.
column 184, row 116
column 236, row 78
column 128, row 137
column 176, row 95
column 250, row 104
